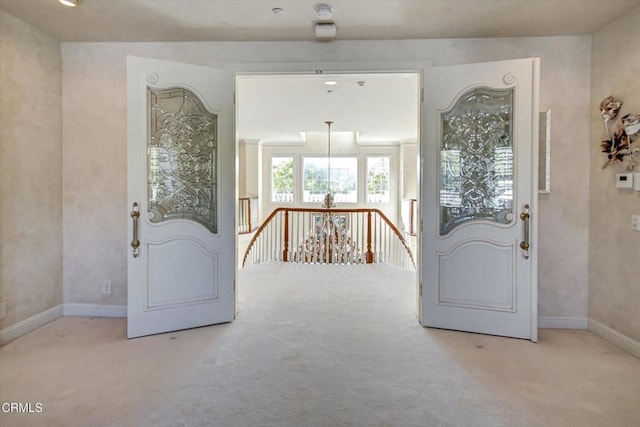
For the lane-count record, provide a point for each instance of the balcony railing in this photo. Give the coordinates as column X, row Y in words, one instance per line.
column 329, row 236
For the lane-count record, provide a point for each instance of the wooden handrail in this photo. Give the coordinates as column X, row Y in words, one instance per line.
column 397, row 233
column 258, row 232
column 369, row 254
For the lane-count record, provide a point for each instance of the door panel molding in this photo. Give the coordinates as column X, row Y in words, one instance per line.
column 193, row 284
column 457, row 276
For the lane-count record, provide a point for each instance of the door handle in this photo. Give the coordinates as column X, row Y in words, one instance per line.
column 135, row 243
column 525, row 217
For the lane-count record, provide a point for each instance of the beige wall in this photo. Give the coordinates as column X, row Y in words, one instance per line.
column 614, row 256
column 241, row 180
column 95, row 141
column 408, row 158
column 30, row 171
column 251, row 162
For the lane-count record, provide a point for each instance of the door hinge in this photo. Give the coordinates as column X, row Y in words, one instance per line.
column 420, row 289
column 422, row 95
column 421, row 222
column 234, row 98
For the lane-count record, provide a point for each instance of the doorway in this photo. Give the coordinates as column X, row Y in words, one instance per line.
column 281, row 118
column 461, row 100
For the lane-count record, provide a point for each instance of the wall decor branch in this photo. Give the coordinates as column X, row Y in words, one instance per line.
column 622, row 143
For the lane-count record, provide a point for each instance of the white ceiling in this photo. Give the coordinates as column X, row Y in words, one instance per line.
column 288, row 110
column 384, row 109
column 214, row 20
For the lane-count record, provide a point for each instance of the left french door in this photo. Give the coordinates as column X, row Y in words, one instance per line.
column 181, row 187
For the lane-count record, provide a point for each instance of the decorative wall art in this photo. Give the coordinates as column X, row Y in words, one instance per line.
column 622, row 143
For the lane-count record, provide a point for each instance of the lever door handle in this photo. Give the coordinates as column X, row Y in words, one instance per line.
column 525, row 217
column 135, row 243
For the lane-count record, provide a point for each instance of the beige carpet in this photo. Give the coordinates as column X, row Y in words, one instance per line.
column 317, row 346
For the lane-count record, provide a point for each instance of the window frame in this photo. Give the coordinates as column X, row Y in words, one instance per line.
column 389, row 158
column 293, row 178
column 356, row 177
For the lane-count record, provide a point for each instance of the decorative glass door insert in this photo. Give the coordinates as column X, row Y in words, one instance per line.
column 476, row 159
column 181, row 158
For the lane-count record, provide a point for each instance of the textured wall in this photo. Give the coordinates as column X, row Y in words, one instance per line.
column 30, row 171
column 614, row 256
column 95, row 140
column 95, row 183
column 251, row 161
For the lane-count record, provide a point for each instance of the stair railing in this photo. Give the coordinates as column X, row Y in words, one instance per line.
column 328, row 236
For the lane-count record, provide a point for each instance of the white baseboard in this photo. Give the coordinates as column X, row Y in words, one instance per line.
column 95, row 310
column 560, row 322
column 30, row 324
column 614, row 337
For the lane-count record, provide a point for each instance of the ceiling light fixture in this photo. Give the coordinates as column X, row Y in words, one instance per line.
column 70, row 3
column 331, row 82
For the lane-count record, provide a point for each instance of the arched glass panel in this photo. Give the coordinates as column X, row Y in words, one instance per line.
column 476, row 159
column 181, row 158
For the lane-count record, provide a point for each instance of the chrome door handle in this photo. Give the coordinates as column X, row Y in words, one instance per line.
column 135, row 243
column 524, row 245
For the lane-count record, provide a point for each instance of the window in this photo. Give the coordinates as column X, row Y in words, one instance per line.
column 378, row 179
column 343, row 174
column 282, row 179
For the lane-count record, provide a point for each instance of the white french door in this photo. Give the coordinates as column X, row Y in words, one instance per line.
column 479, row 199
column 181, row 194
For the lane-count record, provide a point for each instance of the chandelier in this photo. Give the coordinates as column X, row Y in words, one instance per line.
column 328, row 198
column 330, row 241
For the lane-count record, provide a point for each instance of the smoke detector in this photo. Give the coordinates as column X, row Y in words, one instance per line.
column 324, row 11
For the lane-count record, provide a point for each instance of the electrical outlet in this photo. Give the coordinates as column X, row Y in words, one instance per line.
column 106, row 288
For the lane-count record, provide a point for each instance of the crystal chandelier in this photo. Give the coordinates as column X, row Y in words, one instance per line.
column 330, row 240
column 328, row 198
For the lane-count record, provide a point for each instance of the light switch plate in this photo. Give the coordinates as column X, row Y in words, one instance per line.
column 636, row 181
column 635, row 222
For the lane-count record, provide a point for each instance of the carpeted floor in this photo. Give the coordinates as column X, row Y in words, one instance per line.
column 316, row 346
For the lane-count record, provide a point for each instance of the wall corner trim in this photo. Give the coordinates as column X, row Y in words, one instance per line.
column 614, row 337
column 561, row 322
column 95, row 310
column 32, row 323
